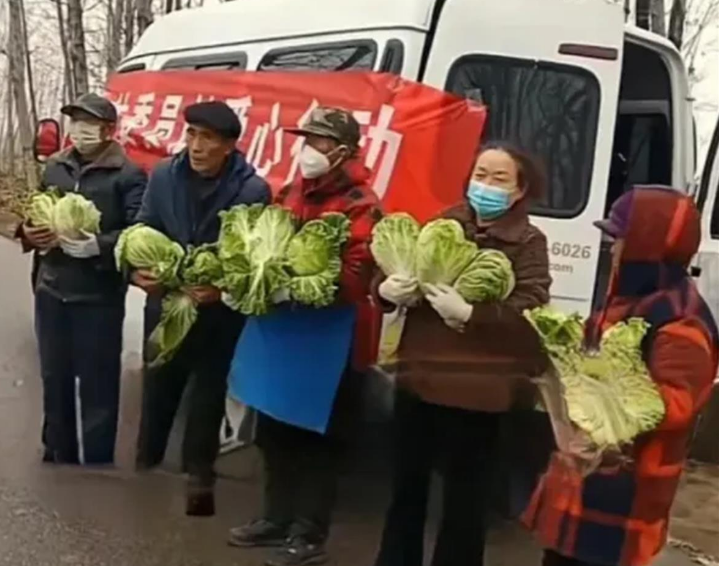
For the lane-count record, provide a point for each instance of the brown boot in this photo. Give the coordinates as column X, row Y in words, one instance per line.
column 200, row 501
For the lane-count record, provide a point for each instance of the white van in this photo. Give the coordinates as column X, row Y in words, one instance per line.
column 708, row 198
column 605, row 104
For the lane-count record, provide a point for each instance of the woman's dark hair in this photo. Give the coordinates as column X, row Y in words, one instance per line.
column 532, row 174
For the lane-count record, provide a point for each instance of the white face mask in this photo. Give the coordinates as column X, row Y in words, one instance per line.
column 313, row 163
column 85, row 137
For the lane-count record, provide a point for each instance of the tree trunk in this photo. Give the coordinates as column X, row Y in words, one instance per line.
column 658, row 19
column 115, row 21
column 9, row 146
column 16, row 56
column 78, row 55
column 643, row 9
column 129, row 25
column 28, row 63
column 677, row 22
column 69, row 90
column 144, row 16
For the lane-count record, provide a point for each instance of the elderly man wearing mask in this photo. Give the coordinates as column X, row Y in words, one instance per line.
column 79, row 295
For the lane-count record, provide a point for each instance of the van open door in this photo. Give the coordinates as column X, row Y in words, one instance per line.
column 708, row 200
column 549, row 73
column 705, row 447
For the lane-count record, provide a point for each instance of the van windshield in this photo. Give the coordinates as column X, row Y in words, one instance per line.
column 359, row 55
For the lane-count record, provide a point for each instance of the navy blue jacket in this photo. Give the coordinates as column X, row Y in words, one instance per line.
column 169, row 205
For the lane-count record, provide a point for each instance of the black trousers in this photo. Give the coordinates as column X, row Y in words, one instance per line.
column 302, row 468
column 551, row 558
column 203, row 363
column 301, row 471
column 80, row 348
column 461, row 444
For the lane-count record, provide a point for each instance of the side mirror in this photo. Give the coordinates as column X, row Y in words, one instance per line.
column 47, row 139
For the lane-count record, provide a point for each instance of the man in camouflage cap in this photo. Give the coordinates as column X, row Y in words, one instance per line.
column 332, row 123
column 301, row 467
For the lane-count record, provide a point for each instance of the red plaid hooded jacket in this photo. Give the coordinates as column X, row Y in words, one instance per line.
column 621, row 517
column 346, row 190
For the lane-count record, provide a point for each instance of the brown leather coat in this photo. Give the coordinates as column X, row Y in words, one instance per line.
column 486, row 368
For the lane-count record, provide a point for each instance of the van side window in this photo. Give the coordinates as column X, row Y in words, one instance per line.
column 213, row 62
column 345, row 56
column 549, row 109
column 132, row 68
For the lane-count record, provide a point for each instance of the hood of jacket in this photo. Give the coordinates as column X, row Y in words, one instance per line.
column 662, row 236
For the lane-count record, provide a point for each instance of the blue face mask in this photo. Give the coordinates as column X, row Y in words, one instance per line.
column 488, row 202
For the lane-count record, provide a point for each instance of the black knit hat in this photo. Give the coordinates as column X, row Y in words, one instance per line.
column 216, row 116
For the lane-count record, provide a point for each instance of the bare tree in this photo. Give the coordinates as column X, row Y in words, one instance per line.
column 658, row 17
column 677, row 22
column 76, row 40
column 115, row 22
column 651, row 16
column 69, row 90
column 129, row 27
column 16, row 58
column 144, row 15
column 28, row 63
column 9, row 145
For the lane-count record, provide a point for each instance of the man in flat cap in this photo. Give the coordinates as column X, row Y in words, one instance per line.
column 301, row 466
column 79, row 295
column 184, row 197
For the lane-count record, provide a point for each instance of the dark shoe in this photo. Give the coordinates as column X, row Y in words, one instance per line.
column 258, row 534
column 299, row 552
column 200, row 502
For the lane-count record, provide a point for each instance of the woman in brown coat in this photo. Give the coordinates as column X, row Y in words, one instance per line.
column 462, row 366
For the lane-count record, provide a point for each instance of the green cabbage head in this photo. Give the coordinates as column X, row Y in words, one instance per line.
column 40, row 210
column 443, row 252
column 252, row 247
column 394, row 244
column 74, row 216
column 488, row 278
column 142, row 247
column 314, row 258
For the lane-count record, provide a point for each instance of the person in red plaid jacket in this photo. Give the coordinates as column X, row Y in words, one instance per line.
column 301, row 467
column 619, row 517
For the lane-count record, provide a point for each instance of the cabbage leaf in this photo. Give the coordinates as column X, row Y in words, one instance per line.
column 314, row 259
column 394, row 244
column 74, row 216
column 142, row 247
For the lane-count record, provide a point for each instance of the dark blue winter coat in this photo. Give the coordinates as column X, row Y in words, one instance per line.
column 170, row 206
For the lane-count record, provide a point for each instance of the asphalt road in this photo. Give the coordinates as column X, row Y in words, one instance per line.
column 56, row 516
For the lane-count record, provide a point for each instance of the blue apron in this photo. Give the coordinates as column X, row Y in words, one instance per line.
column 288, row 364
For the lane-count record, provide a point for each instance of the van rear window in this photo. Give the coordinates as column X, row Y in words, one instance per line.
column 346, row 56
column 549, row 109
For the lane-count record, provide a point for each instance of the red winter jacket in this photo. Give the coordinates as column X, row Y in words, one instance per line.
column 346, row 190
column 621, row 517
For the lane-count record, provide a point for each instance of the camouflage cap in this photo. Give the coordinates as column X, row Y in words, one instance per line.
column 332, row 123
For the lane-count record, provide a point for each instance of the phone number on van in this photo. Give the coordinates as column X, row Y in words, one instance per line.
column 574, row 251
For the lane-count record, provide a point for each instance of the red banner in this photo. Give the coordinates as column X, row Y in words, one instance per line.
column 418, row 141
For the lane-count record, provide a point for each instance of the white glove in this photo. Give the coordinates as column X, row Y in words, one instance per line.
column 399, row 290
column 281, row 296
column 450, row 305
column 81, row 249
